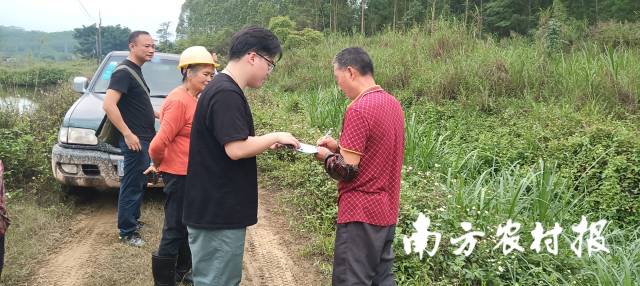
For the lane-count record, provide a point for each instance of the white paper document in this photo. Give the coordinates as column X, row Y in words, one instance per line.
column 306, row 148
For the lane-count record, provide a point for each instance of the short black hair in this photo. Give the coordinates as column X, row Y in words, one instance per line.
column 356, row 58
column 135, row 34
column 254, row 39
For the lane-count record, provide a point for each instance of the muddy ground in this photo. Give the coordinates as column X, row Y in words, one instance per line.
column 92, row 255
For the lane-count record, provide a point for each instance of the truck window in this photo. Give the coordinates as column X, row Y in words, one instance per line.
column 161, row 75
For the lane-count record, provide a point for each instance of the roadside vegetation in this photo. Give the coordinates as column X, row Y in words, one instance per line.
column 40, row 212
column 495, row 130
column 40, row 74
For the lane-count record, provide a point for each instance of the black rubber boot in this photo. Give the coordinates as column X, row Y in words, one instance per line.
column 183, row 266
column 164, row 270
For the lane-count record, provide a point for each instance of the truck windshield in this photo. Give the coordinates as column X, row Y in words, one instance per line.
column 161, row 75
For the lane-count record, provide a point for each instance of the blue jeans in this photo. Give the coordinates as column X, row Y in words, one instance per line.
column 132, row 186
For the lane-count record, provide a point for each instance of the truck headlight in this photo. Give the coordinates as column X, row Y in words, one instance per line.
column 63, row 134
column 72, row 135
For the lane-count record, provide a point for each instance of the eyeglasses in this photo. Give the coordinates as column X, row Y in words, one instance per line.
column 272, row 65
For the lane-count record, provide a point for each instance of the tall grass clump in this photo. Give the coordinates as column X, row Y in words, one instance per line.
column 325, row 108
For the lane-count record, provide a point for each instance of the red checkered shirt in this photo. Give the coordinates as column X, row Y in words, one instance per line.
column 373, row 127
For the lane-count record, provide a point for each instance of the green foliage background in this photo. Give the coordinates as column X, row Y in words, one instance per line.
column 17, row 43
column 495, row 130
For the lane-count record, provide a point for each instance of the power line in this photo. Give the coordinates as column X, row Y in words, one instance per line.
column 98, row 24
column 85, row 10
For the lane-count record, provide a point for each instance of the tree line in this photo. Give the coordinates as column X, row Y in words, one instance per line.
column 500, row 17
column 212, row 22
column 16, row 42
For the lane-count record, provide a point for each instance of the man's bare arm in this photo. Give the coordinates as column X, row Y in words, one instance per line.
column 255, row 145
column 110, row 107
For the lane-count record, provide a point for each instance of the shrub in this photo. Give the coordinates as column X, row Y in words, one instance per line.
column 281, row 22
column 616, row 34
column 604, row 165
column 40, row 75
column 26, row 140
column 285, row 29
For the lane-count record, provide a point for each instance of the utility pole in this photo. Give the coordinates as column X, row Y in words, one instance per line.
column 97, row 45
column 99, row 38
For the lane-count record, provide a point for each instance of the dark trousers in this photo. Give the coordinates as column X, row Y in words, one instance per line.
column 132, row 186
column 175, row 238
column 1, row 253
column 363, row 255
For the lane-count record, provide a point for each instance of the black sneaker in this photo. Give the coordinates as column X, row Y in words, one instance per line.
column 132, row 240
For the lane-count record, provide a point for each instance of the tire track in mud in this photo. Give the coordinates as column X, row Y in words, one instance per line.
column 270, row 256
column 272, row 253
column 79, row 253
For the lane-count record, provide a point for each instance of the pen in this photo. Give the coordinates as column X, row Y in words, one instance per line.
column 328, row 133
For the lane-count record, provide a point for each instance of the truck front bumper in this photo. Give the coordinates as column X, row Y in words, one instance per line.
column 88, row 168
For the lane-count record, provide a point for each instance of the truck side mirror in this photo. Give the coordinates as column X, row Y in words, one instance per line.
column 80, row 84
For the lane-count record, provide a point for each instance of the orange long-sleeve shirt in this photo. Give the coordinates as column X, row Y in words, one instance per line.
column 171, row 145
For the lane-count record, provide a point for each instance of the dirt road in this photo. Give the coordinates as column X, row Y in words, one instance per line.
column 271, row 254
column 87, row 242
column 92, row 255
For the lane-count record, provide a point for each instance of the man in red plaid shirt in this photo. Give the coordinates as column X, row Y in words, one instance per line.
column 367, row 164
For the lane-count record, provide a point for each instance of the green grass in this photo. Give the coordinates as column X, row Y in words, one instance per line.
column 40, row 213
column 495, row 130
column 324, row 108
column 38, row 226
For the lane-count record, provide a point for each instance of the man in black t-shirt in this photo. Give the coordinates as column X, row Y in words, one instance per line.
column 128, row 107
column 221, row 193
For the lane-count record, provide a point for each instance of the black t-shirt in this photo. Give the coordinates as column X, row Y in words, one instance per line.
column 220, row 193
column 135, row 105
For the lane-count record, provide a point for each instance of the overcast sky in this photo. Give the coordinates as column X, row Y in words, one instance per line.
column 64, row 15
